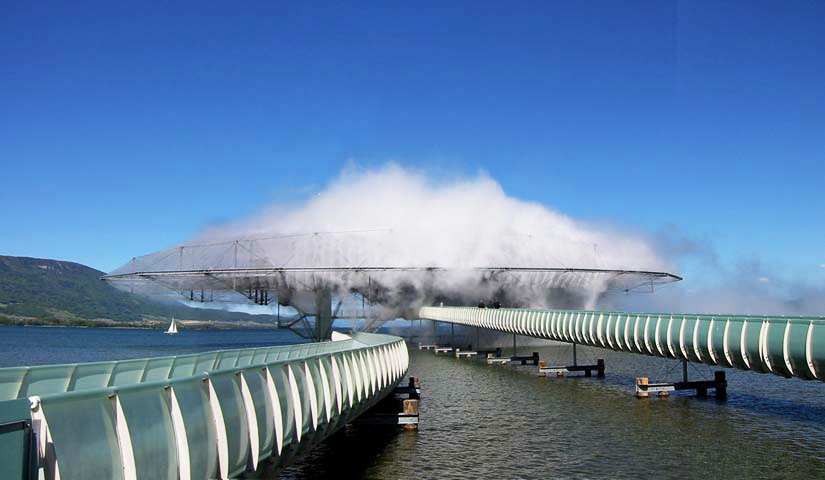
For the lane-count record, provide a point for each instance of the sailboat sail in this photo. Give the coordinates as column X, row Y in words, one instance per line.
column 173, row 327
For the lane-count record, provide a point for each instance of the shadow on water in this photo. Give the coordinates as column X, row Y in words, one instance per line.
column 350, row 453
column 748, row 392
column 738, row 400
column 778, row 408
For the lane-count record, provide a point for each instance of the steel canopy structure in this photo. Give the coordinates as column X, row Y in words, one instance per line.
column 309, row 272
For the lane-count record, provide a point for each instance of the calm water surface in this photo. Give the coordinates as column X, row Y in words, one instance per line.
column 480, row 421
column 48, row 345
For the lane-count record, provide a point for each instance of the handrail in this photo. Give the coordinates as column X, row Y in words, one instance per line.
column 249, row 405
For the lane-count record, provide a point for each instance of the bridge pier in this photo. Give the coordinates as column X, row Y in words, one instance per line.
column 561, row 370
column 323, row 315
column 719, row 384
column 400, row 408
column 493, row 359
column 526, row 359
column 477, row 353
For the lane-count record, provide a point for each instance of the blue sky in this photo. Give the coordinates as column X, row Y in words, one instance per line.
column 124, row 128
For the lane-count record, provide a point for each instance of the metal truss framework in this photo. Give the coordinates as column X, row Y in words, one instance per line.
column 310, row 290
column 310, row 271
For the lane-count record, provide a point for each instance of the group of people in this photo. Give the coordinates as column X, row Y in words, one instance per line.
column 493, row 304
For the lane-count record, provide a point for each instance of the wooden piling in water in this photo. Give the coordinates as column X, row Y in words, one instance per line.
column 641, row 381
column 394, row 409
column 411, row 408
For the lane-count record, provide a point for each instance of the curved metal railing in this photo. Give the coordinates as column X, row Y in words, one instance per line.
column 785, row 346
column 208, row 415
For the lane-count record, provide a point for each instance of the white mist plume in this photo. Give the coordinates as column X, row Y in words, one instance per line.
column 401, row 218
column 396, row 217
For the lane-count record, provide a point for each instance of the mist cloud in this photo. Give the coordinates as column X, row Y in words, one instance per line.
column 398, row 217
column 742, row 285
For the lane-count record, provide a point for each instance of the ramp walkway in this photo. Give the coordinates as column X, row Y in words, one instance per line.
column 207, row 415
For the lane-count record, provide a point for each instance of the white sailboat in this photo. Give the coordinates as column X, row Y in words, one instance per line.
column 173, row 327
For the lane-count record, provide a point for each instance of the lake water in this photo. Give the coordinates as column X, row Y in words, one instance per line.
column 48, row 345
column 480, row 421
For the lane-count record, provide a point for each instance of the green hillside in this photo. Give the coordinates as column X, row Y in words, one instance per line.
column 34, row 290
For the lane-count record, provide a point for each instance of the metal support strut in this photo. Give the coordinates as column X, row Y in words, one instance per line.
column 719, row 384
column 562, row 370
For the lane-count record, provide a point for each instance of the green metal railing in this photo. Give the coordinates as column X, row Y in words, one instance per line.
column 208, row 415
column 785, row 346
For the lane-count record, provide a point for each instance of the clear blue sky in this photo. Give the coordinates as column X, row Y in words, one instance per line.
column 125, row 127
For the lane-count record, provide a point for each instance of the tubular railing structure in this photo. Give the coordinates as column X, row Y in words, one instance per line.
column 785, row 346
column 208, row 415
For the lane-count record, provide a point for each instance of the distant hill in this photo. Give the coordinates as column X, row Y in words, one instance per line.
column 36, row 290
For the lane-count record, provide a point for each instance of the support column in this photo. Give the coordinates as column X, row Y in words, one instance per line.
column 721, row 385
column 323, row 315
column 235, row 266
column 514, row 345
